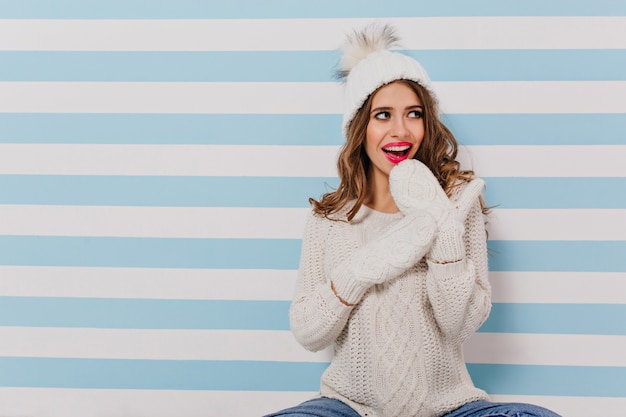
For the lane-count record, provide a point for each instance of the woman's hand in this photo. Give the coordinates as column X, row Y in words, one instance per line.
column 414, row 187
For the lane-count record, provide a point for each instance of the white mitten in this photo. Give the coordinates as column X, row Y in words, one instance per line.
column 388, row 256
column 414, row 187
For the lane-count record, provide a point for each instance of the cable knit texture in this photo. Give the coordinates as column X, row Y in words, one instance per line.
column 398, row 248
column 414, row 187
column 398, row 351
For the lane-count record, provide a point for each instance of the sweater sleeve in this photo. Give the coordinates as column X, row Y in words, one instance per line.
column 459, row 292
column 316, row 315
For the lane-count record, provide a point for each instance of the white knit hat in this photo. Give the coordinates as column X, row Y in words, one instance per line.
column 368, row 64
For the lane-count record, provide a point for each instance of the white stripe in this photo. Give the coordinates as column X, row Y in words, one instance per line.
column 545, row 160
column 216, row 345
column 556, row 224
column 292, row 161
column 169, row 160
column 546, row 349
column 279, row 223
column 301, row 98
column 57, row 402
column 558, row 287
column 162, row 97
column 310, row 34
column 149, row 283
column 280, row 346
column 153, row 222
column 261, row 284
column 531, row 97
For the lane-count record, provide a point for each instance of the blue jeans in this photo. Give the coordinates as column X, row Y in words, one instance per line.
column 318, row 407
column 327, row 407
column 489, row 409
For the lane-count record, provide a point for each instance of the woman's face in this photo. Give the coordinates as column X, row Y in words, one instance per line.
column 395, row 129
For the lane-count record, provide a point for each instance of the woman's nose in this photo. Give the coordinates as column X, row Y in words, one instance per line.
column 398, row 127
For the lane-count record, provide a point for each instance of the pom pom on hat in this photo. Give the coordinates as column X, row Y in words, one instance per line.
column 367, row 64
column 372, row 38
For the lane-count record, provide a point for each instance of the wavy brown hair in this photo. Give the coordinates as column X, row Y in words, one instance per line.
column 438, row 151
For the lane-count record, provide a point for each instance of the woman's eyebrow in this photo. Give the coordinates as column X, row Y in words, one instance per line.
column 387, row 108
column 382, row 108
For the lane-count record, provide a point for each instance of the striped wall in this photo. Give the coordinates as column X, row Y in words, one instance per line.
column 155, row 164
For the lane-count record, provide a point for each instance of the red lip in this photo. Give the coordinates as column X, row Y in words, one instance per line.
column 397, row 144
column 397, row 152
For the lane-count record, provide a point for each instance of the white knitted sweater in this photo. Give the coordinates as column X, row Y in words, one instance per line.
column 397, row 352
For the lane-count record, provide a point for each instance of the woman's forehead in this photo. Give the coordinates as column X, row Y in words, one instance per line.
column 395, row 94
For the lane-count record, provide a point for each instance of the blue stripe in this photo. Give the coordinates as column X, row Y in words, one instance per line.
column 286, row 376
column 583, row 381
column 217, row 129
column 225, row 66
column 160, row 374
column 161, row 191
column 538, row 129
column 143, row 313
column 252, row 9
column 210, row 129
column 510, row 192
column 556, row 193
column 523, row 65
column 305, row 66
column 594, row 319
column 150, row 252
column 566, row 256
column 563, row 256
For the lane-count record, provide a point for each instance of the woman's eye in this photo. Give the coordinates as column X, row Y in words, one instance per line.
column 383, row 115
column 416, row 114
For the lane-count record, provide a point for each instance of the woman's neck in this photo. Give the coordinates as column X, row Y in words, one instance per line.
column 379, row 197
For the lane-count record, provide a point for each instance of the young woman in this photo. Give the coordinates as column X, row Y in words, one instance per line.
column 393, row 273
